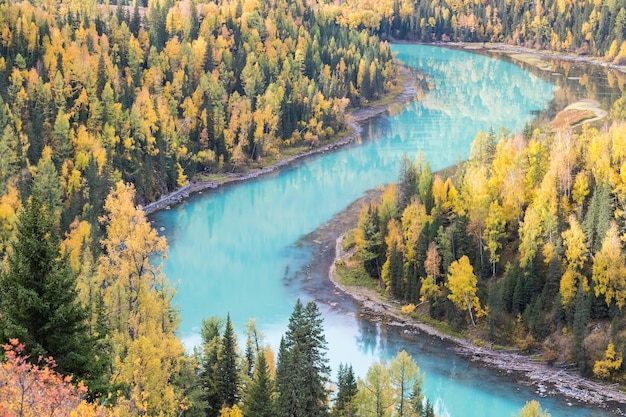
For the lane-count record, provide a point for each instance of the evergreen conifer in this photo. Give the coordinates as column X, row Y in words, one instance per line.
column 39, row 300
column 229, row 369
column 303, row 370
column 259, row 401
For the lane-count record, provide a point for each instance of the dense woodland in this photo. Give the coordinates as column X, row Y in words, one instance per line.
column 524, row 242
column 107, row 106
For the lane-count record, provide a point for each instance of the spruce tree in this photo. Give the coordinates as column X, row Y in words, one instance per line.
column 346, row 391
column 39, row 300
column 581, row 318
column 135, row 22
column 259, row 401
column 229, row 369
column 416, row 401
column 407, row 182
column 429, row 411
column 194, row 21
column 396, row 271
column 210, row 376
column 303, row 370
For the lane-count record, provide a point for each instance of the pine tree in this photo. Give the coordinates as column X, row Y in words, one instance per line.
column 425, row 187
column 303, row 370
column 393, row 271
column 598, row 217
column 416, row 400
column 46, row 183
column 135, row 22
column 210, row 377
column 39, row 298
column 346, row 391
column 407, row 183
column 429, row 411
column 258, row 402
column 9, row 163
column 62, row 141
column 194, row 21
column 370, row 236
column 229, row 369
column 581, row 318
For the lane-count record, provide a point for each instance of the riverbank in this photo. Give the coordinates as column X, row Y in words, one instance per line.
column 552, row 381
column 407, row 93
column 333, row 248
column 535, row 57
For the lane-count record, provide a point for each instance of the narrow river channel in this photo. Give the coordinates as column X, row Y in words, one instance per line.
column 239, row 249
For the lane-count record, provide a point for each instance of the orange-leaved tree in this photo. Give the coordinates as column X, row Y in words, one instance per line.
column 32, row 390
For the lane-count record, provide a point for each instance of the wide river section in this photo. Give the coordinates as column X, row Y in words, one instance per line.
column 238, row 249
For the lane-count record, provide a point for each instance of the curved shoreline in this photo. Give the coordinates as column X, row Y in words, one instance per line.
column 358, row 116
column 548, row 381
column 514, row 51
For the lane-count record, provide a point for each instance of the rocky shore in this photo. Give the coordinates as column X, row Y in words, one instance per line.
column 547, row 380
column 518, row 52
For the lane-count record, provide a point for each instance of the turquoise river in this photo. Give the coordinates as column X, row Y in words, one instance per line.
column 241, row 249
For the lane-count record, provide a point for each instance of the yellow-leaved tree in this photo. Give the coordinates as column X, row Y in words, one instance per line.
column 10, row 205
column 233, row 411
column 533, row 409
column 609, row 271
column 462, row 284
column 608, row 366
column 137, row 295
column 576, row 253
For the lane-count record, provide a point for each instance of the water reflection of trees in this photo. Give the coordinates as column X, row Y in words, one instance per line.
column 577, row 80
column 470, row 92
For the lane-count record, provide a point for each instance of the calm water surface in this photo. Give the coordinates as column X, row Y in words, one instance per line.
column 238, row 249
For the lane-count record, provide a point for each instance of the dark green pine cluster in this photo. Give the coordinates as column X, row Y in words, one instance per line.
column 39, row 304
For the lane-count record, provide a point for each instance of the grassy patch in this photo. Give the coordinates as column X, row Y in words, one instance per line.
column 390, row 96
column 348, row 241
column 354, row 276
column 571, row 117
column 296, row 150
column 215, row 177
column 577, row 113
column 440, row 326
column 532, row 60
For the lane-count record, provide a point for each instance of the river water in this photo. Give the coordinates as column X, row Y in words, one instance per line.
column 239, row 249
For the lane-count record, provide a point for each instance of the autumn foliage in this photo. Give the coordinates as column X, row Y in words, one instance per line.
column 529, row 232
column 34, row 390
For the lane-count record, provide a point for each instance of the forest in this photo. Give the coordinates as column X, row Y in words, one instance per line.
column 523, row 243
column 107, row 106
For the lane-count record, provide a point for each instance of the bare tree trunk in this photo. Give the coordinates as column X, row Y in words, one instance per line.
column 469, row 308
